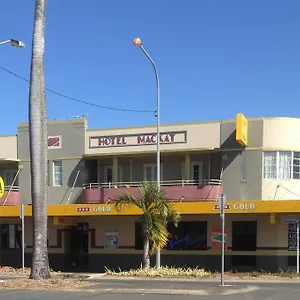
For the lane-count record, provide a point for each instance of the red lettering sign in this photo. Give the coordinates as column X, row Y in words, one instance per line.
column 151, row 139
column 111, row 141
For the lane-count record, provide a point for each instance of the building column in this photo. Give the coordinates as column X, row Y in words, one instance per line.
column 131, row 171
column 98, row 171
column 115, row 169
column 187, row 166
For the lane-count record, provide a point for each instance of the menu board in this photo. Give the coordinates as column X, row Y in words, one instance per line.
column 292, row 237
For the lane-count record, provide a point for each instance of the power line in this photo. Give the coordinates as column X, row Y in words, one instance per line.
column 78, row 100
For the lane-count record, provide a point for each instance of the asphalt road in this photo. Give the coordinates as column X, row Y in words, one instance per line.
column 136, row 290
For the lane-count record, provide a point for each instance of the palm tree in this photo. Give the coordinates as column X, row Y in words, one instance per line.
column 156, row 210
column 38, row 146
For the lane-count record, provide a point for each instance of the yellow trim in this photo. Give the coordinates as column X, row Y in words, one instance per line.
column 185, row 208
column 9, row 160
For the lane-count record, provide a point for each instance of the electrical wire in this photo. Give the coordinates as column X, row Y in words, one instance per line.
column 79, row 100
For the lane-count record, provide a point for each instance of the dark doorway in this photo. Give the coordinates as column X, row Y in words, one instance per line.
column 244, row 236
column 77, row 247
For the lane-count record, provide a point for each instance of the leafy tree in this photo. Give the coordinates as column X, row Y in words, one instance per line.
column 156, row 211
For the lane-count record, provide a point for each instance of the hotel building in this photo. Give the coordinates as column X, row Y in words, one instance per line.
column 254, row 162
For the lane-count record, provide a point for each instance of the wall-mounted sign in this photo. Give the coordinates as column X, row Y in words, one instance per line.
column 65, row 221
column 111, row 238
column 216, row 238
column 94, row 209
column 54, row 142
column 1, row 187
column 241, row 130
column 239, row 206
column 173, row 137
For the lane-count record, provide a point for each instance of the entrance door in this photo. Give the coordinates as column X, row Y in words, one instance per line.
column 150, row 172
column 77, row 246
column 196, row 172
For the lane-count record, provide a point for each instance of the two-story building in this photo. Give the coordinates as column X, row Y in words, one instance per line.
column 255, row 162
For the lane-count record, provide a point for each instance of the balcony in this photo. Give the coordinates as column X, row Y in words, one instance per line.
column 11, row 196
column 176, row 191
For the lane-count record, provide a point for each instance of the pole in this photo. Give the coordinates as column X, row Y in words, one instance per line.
column 222, row 203
column 23, row 238
column 297, row 246
column 158, row 263
column 223, row 250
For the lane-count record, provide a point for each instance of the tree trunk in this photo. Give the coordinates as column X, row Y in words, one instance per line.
column 38, row 146
column 146, row 254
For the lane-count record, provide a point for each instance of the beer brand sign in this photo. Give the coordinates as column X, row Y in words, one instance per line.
column 173, row 137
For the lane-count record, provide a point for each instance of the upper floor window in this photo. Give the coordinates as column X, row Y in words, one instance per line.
column 57, row 173
column 281, row 165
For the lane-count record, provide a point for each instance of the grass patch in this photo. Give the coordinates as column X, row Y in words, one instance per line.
column 163, row 271
column 173, row 272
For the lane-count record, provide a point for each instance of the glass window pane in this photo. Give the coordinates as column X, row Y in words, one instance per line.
column 57, row 173
column 270, row 165
column 285, row 165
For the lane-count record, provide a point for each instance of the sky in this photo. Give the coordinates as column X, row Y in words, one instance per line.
column 215, row 58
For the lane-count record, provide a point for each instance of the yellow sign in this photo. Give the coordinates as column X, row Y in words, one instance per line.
column 1, row 187
column 241, row 130
column 65, row 221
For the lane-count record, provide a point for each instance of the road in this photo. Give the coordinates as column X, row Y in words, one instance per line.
column 135, row 290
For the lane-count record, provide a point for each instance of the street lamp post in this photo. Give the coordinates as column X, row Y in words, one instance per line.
column 14, row 43
column 137, row 42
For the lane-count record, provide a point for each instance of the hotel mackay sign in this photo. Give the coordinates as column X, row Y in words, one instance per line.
column 171, row 137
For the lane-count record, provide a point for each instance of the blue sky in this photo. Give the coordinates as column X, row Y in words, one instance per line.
column 215, row 58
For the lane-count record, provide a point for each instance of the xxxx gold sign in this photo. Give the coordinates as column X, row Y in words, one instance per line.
column 240, row 206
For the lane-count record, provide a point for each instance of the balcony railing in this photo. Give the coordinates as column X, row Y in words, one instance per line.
column 180, row 182
column 11, row 196
column 176, row 190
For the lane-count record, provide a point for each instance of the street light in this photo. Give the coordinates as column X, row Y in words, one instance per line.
column 137, row 42
column 15, row 43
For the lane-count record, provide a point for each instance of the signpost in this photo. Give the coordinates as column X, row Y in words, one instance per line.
column 23, row 237
column 222, row 204
column 293, row 239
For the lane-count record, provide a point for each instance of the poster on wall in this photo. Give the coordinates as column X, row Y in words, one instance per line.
column 216, row 238
column 292, row 237
column 111, row 238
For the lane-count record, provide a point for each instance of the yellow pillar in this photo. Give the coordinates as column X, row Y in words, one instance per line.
column 115, row 169
column 187, row 166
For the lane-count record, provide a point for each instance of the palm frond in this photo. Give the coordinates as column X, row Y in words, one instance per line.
column 125, row 200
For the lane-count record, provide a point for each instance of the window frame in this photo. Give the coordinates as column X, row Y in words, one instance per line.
column 54, row 172
column 277, row 175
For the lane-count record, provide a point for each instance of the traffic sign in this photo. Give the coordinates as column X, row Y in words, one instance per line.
column 1, row 187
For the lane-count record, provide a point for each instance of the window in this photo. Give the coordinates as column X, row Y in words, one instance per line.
column 296, row 165
column 196, row 172
column 150, row 172
column 188, row 236
column 57, row 173
column 108, row 174
column 281, row 165
column 269, row 165
column 9, row 178
column 10, row 236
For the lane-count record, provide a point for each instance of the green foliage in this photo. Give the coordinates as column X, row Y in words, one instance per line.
column 156, row 211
